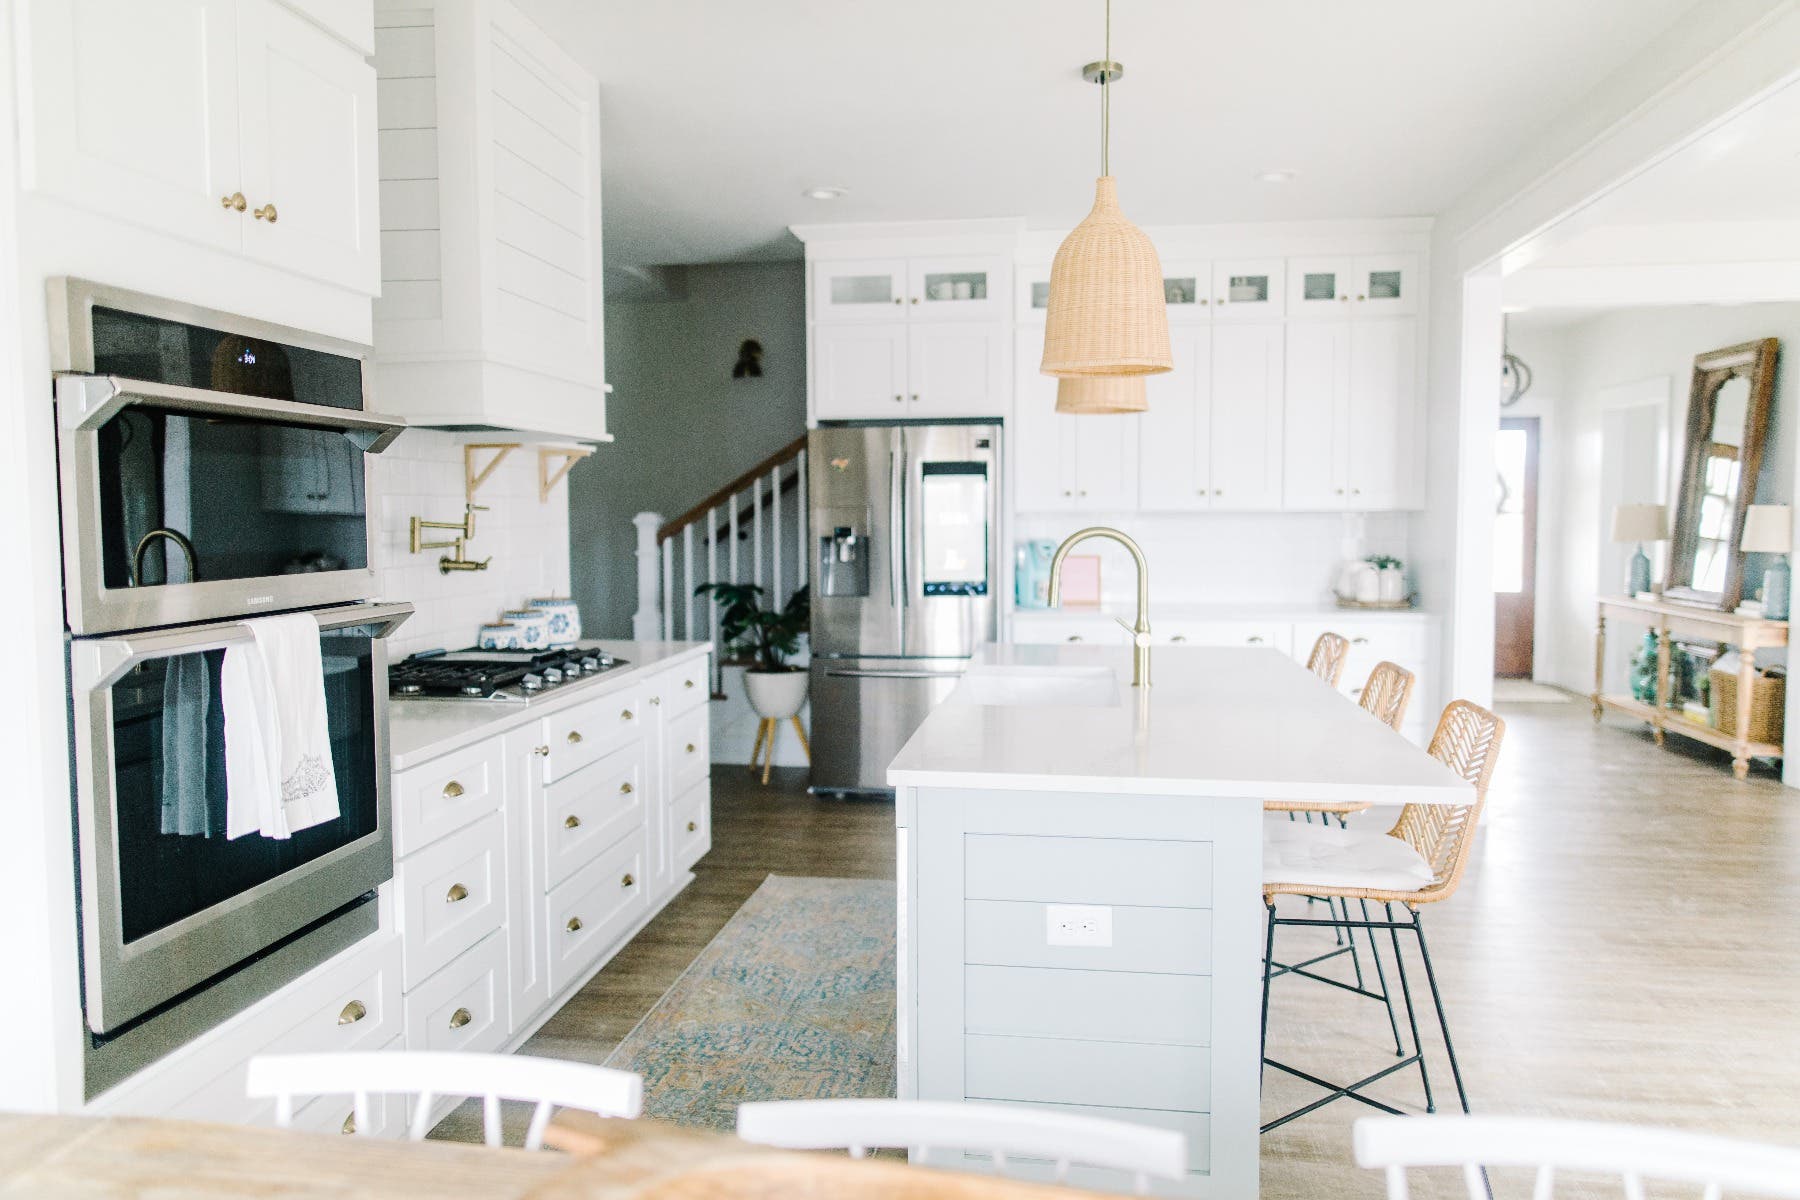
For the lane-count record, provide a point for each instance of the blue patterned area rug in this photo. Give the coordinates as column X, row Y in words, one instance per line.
column 793, row 1000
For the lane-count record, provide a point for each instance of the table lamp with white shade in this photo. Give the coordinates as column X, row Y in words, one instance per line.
column 1769, row 529
column 1639, row 523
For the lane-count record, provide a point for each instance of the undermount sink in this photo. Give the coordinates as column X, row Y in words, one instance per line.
column 1029, row 687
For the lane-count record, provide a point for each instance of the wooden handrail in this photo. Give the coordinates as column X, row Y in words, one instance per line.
column 669, row 529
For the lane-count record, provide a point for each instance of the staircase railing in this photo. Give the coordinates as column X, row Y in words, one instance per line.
column 752, row 530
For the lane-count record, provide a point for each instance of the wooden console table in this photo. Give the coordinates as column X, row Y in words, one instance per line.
column 1747, row 634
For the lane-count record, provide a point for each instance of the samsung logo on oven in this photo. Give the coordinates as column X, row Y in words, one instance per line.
column 259, row 599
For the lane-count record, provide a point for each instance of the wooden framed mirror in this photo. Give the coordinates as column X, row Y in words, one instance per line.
column 1727, row 423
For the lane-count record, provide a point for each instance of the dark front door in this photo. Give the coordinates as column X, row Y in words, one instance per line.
column 1515, row 546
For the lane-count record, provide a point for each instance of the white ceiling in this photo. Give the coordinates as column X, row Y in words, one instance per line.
column 717, row 113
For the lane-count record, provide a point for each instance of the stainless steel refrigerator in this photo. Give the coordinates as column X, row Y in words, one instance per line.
column 905, row 531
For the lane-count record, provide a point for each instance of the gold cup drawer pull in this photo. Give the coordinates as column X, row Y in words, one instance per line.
column 574, row 737
column 692, row 827
column 457, row 894
column 625, row 788
column 656, row 700
column 234, row 202
column 452, row 790
column 353, row 1012
column 627, row 881
column 349, row 1125
column 687, row 683
column 265, row 213
column 625, row 715
column 461, row 1017
column 571, row 822
column 574, row 925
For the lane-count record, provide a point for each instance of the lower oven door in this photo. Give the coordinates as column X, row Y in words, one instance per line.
column 168, row 902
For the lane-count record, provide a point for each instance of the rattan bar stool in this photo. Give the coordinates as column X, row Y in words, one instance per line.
column 1419, row 861
column 1329, row 653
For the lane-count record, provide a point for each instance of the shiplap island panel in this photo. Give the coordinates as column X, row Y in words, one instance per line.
column 1080, row 871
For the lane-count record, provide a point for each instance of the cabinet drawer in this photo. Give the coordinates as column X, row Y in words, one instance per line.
column 692, row 833
column 450, row 897
column 443, row 795
column 360, row 1016
column 589, row 913
column 1068, row 870
column 334, row 1113
column 688, row 686
column 464, row 1006
column 1275, row 636
column 589, row 811
column 690, row 749
column 1109, row 1074
column 1046, row 630
column 580, row 735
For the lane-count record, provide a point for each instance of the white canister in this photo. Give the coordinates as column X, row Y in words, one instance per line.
column 498, row 636
column 1368, row 584
column 533, row 627
column 1393, row 585
column 565, row 618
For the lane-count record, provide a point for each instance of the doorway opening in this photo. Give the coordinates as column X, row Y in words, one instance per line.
column 1515, row 547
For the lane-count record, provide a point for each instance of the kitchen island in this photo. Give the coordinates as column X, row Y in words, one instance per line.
column 1080, row 871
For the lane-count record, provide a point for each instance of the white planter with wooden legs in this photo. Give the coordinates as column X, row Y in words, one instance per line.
column 776, row 696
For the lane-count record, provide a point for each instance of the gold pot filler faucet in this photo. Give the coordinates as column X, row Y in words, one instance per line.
column 464, row 532
column 1140, row 634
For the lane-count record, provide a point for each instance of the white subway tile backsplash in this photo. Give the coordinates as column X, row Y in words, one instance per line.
column 422, row 475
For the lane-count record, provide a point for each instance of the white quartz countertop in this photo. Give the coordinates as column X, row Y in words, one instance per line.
column 420, row 730
column 1220, row 722
column 1285, row 611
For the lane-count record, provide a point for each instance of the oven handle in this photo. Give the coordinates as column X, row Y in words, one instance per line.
column 98, row 662
column 90, row 401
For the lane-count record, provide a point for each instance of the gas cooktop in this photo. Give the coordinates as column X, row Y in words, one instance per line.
column 516, row 675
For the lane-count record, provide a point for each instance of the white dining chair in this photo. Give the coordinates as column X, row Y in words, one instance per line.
column 1634, row 1154
column 1000, row 1130
column 549, row 1083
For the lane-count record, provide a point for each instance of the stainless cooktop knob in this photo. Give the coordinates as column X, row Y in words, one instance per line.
column 532, row 683
column 552, row 676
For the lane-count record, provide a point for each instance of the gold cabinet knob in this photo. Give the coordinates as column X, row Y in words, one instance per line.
column 899, row 399
column 1361, row 297
column 574, row 737
column 571, row 822
column 627, row 881
column 574, row 925
column 1345, row 297
column 626, row 715
column 692, row 827
column 896, row 299
column 690, row 747
column 461, row 1017
column 265, row 213
column 1076, row 637
column 234, row 202
column 353, row 1012
column 452, row 790
column 915, row 397
column 457, row 894
column 687, row 683
column 625, row 788
column 656, row 700
column 349, row 1125
column 915, row 299
column 540, row 751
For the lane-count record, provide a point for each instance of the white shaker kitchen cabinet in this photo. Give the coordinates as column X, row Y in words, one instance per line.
column 859, row 290
column 957, row 369
column 1317, row 411
column 1105, row 461
column 1381, row 455
column 131, row 110
column 959, row 288
column 491, row 313
column 522, row 755
column 1247, row 416
column 1386, row 285
column 306, row 117
column 1187, row 291
column 859, row 371
column 1249, row 289
column 1067, row 463
column 1322, row 288
column 1174, row 453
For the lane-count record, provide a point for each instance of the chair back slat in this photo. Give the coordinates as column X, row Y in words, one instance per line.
column 1387, row 693
column 1467, row 741
column 1329, row 654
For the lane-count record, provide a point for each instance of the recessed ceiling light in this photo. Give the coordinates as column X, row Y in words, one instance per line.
column 824, row 193
column 1278, row 176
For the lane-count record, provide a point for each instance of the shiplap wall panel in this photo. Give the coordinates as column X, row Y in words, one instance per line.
column 406, row 113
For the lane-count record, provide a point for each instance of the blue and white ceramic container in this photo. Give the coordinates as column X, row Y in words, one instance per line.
column 532, row 626
column 498, row 636
column 565, row 618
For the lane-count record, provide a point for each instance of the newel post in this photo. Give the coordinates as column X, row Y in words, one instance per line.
column 646, row 623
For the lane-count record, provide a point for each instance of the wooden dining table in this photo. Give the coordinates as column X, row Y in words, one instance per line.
column 111, row 1158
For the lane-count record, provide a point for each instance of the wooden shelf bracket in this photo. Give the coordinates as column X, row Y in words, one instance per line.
column 472, row 478
column 548, row 478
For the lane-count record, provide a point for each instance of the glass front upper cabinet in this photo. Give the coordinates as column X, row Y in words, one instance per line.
column 859, row 290
column 968, row 287
column 1249, row 289
column 1187, row 291
column 1361, row 286
column 1033, row 294
column 1321, row 287
column 1387, row 284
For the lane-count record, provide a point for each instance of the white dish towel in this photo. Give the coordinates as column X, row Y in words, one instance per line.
column 278, row 770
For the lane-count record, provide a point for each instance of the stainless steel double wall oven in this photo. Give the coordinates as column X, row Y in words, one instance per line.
column 211, row 470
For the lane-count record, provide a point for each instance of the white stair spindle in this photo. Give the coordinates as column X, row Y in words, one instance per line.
column 804, row 517
column 756, row 526
column 668, row 591
column 731, row 509
column 687, row 581
column 775, row 536
column 644, row 622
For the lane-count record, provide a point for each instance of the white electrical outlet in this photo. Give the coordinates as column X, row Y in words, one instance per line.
column 1078, row 924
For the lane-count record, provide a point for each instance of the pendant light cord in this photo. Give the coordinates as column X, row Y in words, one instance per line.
column 1106, row 100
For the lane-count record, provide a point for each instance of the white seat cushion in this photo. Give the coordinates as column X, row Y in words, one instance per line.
column 1325, row 856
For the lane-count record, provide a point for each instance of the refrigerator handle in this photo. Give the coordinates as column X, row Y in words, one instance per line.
column 897, row 535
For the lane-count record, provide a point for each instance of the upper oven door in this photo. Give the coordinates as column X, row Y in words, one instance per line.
column 167, row 900
column 181, row 504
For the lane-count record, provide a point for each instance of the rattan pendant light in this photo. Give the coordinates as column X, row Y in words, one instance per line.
column 1107, row 321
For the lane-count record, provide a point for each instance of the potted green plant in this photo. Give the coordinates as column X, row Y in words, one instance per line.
column 765, row 638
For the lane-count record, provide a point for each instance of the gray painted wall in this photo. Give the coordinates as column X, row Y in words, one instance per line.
column 682, row 425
